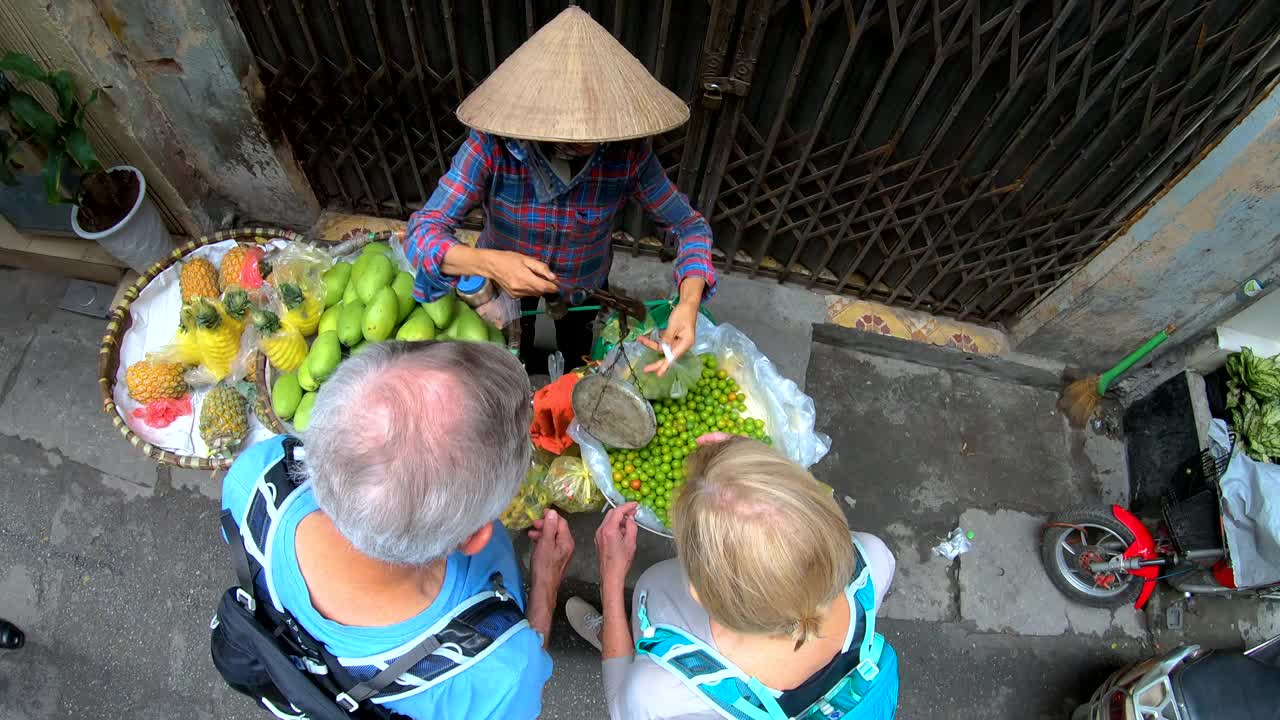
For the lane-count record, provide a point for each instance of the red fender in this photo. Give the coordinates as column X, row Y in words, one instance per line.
column 1143, row 547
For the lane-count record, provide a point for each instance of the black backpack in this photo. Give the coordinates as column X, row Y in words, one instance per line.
column 265, row 654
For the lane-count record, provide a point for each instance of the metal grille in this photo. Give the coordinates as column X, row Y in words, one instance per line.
column 365, row 91
column 962, row 157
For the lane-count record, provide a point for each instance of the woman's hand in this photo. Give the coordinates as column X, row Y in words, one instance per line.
column 520, row 275
column 682, row 330
column 616, row 545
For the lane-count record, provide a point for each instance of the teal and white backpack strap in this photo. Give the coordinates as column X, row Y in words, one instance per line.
column 861, row 594
column 705, row 671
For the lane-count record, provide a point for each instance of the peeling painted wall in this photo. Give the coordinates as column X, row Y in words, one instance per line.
column 1182, row 262
column 178, row 77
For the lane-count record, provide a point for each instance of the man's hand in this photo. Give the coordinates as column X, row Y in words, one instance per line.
column 616, row 544
column 552, row 548
column 519, row 275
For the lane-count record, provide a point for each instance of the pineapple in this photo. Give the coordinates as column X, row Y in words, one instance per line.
column 284, row 346
column 198, row 278
column 224, row 420
column 243, row 266
column 237, row 306
column 216, row 336
column 184, row 348
column 150, row 380
column 302, row 311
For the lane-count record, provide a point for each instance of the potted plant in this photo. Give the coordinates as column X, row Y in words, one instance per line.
column 109, row 205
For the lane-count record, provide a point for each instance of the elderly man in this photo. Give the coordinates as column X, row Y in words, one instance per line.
column 387, row 535
column 559, row 146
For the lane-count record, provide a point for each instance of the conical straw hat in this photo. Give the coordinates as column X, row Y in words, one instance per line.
column 572, row 82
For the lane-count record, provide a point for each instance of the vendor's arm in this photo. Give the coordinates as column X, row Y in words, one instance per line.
column 433, row 248
column 695, row 276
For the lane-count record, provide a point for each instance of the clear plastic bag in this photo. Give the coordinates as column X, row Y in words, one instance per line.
column 630, row 365
column 570, row 487
column 501, row 310
column 788, row 413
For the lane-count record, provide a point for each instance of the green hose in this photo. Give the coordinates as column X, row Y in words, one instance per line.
column 1106, row 378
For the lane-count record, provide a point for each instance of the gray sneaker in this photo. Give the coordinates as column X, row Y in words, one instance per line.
column 584, row 619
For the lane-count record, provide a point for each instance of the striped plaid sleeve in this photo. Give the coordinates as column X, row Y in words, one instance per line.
column 431, row 229
column 669, row 209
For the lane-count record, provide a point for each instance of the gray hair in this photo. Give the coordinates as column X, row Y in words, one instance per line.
column 412, row 447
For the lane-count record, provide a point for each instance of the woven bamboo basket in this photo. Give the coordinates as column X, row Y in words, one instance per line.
column 121, row 319
column 265, row 375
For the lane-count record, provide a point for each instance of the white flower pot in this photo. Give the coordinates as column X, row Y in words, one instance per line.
column 140, row 239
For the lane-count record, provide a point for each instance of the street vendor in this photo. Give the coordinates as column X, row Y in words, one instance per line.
column 559, row 143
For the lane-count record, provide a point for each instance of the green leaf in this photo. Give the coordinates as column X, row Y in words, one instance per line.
column 53, row 179
column 29, row 113
column 22, row 66
column 84, row 107
column 81, row 150
column 65, row 88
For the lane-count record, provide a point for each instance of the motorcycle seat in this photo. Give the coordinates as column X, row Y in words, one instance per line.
column 1228, row 686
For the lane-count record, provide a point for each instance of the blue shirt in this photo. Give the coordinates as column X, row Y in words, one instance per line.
column 506, row 683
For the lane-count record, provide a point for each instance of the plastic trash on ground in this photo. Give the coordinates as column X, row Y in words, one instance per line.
column 957, row 543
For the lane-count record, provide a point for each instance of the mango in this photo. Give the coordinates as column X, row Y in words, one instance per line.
column 286, row 393
column 364, row 345
column 350, row 293
column 350, row 331
column 329, row 319
column 302, row 416
column 496, row 336
column 335, row 283
column 469, row 326
column 376, row 247
column 381, row 315
column 403, row 285
column 417, row 326
column 442, row 311
column 324, row 357
column 378, row 273
column 305, row 381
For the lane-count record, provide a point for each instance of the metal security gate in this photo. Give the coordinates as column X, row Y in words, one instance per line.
column 958, row 156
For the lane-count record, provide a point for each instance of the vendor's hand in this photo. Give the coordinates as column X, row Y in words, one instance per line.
column 520, row 275
column 552, row 549
column 682, row 330
column 616, row 544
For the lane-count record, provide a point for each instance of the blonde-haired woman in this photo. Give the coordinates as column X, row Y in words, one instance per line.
column 768, row 612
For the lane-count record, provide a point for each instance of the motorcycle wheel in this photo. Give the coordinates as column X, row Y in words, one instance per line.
column 1095, row 534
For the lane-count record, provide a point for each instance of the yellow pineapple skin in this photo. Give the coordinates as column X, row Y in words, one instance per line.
column 198, row 278
column 232, row 265
column 224, row 420
column 219, row 345
column 150, row 380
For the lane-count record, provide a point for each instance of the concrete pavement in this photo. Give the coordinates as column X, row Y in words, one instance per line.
column 113, row 565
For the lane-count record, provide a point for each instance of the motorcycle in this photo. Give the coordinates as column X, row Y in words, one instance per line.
column 1107, row 557
column 1189, row 683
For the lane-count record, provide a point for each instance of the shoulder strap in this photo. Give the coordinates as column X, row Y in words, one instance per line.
column 731, row 692
column 240, row 559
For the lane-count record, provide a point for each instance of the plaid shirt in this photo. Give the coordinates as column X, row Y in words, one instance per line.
column 568, row 226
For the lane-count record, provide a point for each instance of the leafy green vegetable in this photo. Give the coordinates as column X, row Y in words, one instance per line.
column 1257, row 375
column 1258, row 427
column 1253, row 396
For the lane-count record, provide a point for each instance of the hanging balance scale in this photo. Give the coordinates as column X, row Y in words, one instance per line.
column 607, row 403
